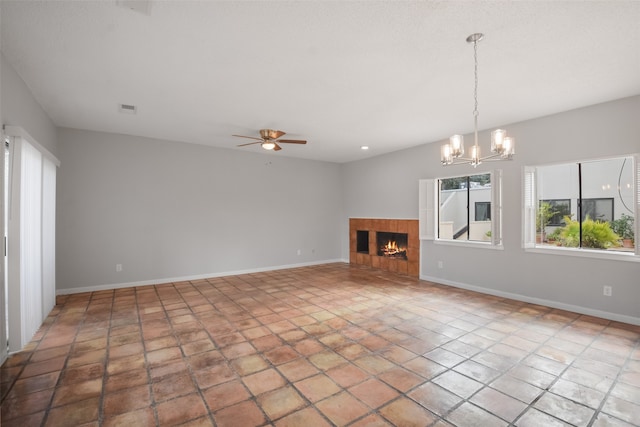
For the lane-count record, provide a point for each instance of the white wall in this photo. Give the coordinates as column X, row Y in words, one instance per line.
column 169, row 210
column 602, row 130
column 20, row 108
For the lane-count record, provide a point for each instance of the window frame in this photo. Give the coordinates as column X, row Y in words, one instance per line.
column 429, row 211
column 530, row 201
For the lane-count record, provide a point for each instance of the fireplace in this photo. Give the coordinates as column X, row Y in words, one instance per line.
column 392, row 245
column 362, row 242
column 386, row 244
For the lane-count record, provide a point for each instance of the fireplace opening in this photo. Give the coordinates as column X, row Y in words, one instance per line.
column 392, row 245
column 362, row 241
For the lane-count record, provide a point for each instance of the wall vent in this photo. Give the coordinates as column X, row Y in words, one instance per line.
column 127, row 109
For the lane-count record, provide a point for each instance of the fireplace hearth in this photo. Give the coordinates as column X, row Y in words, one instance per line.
column 387, row 244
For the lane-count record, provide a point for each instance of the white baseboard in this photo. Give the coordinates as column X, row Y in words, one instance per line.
column 161, row 281
column 539, row 301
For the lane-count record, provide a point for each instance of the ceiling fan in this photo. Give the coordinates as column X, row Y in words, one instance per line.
column 269, row 139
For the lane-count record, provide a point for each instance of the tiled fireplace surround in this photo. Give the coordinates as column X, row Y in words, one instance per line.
column 410, row 266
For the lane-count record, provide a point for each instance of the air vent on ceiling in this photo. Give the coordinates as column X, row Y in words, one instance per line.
column 127, row 109
column 142, row 6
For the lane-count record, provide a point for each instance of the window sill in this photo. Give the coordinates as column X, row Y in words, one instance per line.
column 468, row 244
column 586, row 253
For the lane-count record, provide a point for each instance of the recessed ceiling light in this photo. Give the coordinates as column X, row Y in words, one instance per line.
column 127, row 109
column 364, row 147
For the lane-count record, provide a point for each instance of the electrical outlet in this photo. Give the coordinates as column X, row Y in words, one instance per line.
column 440, row 264
column 299, row 251
column 118, row 267
column 606, row 291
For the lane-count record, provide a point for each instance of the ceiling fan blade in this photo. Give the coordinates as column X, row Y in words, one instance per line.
column 250, row 143
column 250, row 137
column 276, row 147
column 292, row 141
column 277, row 134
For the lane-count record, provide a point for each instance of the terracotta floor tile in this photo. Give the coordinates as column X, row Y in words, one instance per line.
column 141, row 417
column 75, row 392
column 308, row 347
column 404, row 411
column 564, row 409
column 214, row 375
column 470, row 415
column 374, row 393
column 458, row 384
column 249, row 364
column 181, row 409
column 226, row 394
column 246, row 414
column 401, row 379
column 516, row 388
column 374, row 364
column 169, row 368
column 303, row 418
column 263, row 381
column 161, row 342
column 25, row 405
column 234, row 351
column 74, row 414
column 622, row 409
column 535, row 418
column 499, row 404
column 435, row 398
column 373, row 420
column 477, row 371
column 82, row 358
column 205, row 360
column 47, row 366
column 297, row 369
column 126, row 379
column 126, row 363
column 34, row 419
column 280, row 347
column 280, row 402
column 578, row 393
column 126, row 400
column 317, row 387
column 172, row 386
column 342, row 408
column 33, row 384
column 281, row 355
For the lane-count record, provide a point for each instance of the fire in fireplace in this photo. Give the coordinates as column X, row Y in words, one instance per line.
column 392, row 245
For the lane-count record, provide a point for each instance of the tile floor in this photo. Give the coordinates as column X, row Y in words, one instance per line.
column 318, row 346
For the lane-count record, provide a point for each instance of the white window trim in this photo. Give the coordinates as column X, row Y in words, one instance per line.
column 429, row 212
column 529, row 198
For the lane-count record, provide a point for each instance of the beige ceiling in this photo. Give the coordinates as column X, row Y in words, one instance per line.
column 387, row 74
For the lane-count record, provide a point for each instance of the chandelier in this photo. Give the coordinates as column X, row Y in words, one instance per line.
column 502, row 146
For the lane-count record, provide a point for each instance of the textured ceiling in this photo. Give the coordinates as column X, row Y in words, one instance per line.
column 387, row 74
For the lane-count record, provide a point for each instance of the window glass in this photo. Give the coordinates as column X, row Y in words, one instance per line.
column 456, row 197
column 585, row 205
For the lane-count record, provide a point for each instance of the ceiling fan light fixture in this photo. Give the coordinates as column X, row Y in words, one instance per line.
column 268, row 145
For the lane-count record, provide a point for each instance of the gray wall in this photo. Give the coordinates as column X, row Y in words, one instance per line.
column 602, row 130
column 168, row 210
column 19, row 108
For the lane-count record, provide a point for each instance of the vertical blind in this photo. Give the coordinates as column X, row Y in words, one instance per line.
column 31, row 237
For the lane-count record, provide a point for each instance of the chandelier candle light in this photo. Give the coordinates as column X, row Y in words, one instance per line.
column 502, row 146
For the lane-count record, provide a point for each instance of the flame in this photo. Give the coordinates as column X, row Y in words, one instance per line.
column 392, row 248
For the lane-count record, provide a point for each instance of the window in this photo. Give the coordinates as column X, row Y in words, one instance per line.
column 560, row 209
column 597, row 209
column 590, row 205
column 483, row 211
column 461, row 209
